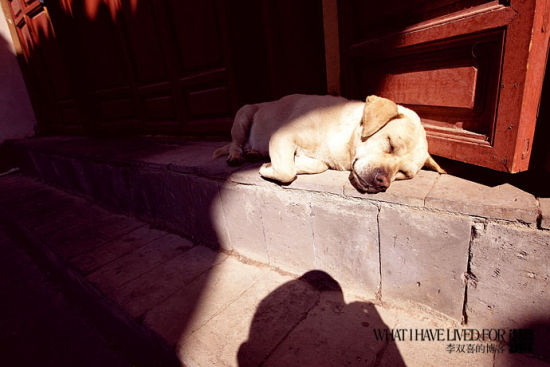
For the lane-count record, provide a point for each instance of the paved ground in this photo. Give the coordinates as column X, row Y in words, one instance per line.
column 211, row 308
column 39, row 326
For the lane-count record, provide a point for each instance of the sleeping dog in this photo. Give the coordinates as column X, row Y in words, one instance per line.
column 377, row 140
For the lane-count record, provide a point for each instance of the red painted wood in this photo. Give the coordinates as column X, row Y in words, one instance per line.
column 446, row 87
column 473, row 70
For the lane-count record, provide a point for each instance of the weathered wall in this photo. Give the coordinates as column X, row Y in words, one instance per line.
column 17, row 118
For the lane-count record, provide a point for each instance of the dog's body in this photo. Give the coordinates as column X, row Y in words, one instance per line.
column 377, row 140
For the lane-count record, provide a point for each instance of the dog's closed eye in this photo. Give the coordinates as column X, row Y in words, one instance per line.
column 390, row 148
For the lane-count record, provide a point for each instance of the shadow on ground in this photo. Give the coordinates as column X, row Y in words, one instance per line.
column 331, row 333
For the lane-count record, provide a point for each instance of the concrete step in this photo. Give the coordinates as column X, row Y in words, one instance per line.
column 211, row 308
column 476, row 253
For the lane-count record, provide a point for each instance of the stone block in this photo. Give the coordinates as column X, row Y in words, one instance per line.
column 545, row 212
column 112, row 250
column 67, row 176
column 84, row 186
column 423, row 257
column 287, row 226
column 111, row 185
column 248, row 174
column 16, row 186
column 243, row 220
column 512, row 277
column 329, row 181
column 334, row 334
column 102, row 150
column 185, row 204
column 408, row 192
column 191, row 203
column 55, row 213
column 44, row 167
column 155, row 155
column 195, row 304
column 147, row 193
column 90, row 233
column 22, row 158
column 130, row 266
column 63, row 213
column 98, row 178
column 39, row 200
column 122, row 189
column 197, row 159
column 346, row 242
column 420, row 352
column 151, row 288
column 257, row 322
column 454, row 194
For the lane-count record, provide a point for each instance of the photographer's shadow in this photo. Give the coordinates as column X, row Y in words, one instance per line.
column 328, row 332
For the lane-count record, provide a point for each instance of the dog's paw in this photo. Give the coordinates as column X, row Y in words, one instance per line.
column 235, row 159
column 266, row 170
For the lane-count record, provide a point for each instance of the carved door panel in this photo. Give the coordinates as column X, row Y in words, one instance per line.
column 472, row 69
column 43, row 64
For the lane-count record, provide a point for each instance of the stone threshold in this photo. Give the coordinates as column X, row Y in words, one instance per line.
column 472, row 252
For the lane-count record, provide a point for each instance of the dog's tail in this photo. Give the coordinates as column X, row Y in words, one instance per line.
column 221, row 151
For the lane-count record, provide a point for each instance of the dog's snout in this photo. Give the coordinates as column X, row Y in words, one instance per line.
column 381, row 179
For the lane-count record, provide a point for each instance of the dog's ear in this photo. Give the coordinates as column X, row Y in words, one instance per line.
column 432, row 164
column 377, row 113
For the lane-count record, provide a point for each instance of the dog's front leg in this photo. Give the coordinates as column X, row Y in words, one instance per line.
column 281, row 152
column 307, row 165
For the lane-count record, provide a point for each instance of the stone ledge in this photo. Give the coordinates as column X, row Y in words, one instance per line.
column 505, row 201
column 411, row 192
column 412, row 242
column 428, row 189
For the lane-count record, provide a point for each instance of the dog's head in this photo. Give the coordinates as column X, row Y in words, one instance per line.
column 393, row 146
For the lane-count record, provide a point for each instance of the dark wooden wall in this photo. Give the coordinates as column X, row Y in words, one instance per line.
column 164, row 66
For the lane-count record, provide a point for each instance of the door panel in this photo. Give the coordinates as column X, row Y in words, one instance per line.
column 372, row 18
column 190, row 19
column 44, row 68
column 146, row 56
column 451, row 84
column 473, row 70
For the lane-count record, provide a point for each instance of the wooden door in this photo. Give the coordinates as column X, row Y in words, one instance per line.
column 127, row 66
column 472, row 69
column 42, row 64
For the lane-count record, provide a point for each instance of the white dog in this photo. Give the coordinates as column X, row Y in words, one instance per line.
column 377, row 140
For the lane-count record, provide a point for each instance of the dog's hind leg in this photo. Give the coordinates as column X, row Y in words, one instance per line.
column 282, row 168
column 239, row 133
